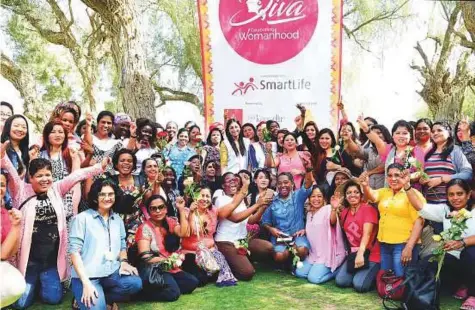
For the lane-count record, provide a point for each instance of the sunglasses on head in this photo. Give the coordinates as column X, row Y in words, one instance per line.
column 157, row 208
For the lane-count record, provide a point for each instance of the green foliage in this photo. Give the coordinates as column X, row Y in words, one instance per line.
column 32, row 54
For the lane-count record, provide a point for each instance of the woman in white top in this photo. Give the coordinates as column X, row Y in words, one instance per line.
column 143, row 137
column 258, row 150
column 103, row 144
column 233, row 217
column 233, row 151
column 458, row 270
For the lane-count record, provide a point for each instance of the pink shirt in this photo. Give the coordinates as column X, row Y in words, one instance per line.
column 326, row 241
column 190, row 244
column 293, row 164
column 21, row 191
column 6, row 225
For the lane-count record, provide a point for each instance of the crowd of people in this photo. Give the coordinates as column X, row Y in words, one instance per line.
column 115, row 209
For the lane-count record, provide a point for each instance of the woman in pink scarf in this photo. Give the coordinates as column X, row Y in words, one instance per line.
column 42, row 255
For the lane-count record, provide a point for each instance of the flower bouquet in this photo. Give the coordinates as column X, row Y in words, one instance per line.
column 266, row 135
column 336, row 157
column 162, row 141
column 191, row 189
column 242, row 245
column 458, row 219
column 411, row 162
column 175, row 260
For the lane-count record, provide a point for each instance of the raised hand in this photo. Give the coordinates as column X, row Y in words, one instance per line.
column 3, row 148
column 15, row 217
column 245, row 179
column 89, row 119
column 364, row 127
column 269, row 147
column 180, row 203
column 106, row 161
column 133, row 129
column 364, row 179
column 302, row 108
column 406, row 178
column 336, row 200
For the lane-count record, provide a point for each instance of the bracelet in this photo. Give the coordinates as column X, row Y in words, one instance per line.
column 367, row 132
column 409, row 188
column 133, row 137
column 310, row 169
column 463, row 243
column 123, row 260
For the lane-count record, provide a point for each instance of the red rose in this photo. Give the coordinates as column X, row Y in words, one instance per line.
column 162, row 135
column 242, row 251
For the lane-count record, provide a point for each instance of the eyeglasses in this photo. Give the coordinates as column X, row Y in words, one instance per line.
column 3, row 114
column 106, row 195
column 157, row 208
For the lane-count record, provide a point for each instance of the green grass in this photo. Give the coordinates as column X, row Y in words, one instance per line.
column 268, row 290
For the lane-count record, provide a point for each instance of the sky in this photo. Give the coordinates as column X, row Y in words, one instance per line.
column 379, row 84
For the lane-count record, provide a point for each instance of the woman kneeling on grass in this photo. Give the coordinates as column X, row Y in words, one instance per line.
column 157, row 239
column 101, row 275
column 458, row 271
column 327, row 251
column 285, row 216
column 202, row 219
column 359, row 222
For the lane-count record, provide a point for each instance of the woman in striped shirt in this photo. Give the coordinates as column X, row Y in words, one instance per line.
column 444, row 162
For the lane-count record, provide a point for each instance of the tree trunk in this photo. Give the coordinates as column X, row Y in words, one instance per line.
column 136, row 90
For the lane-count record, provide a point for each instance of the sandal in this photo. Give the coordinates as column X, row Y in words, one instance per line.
column 74, row 304
column 113, row 306
column 469, row 304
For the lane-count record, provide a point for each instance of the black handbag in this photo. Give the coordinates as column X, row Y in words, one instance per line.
column 421, row 292
column 350, row 260
column 151, row 274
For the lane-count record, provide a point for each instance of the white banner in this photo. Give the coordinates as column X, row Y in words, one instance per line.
column 263, row 57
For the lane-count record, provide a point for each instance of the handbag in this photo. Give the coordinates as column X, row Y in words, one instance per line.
column 421, row 290
column 151, row 274
column 389, row 285
column 204, row 258
column 350, row 261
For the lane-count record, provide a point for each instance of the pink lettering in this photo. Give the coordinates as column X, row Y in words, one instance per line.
column 276, row 12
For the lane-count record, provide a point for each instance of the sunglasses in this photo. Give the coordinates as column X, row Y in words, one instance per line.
column 106, row 195
column 157, row 208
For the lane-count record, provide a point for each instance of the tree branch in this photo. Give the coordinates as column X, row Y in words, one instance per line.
column 168, row 94
column 423, row 55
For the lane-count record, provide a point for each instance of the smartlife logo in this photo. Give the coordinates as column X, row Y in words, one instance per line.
column 242, row 88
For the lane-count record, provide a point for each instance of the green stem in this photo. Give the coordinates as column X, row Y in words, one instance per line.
column 439, row 266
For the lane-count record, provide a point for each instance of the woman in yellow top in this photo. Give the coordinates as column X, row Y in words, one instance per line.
column 400, row 226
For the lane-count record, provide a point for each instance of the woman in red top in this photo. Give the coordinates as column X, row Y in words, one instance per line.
column 360, row 224
column 155, row 238
column 202, row 220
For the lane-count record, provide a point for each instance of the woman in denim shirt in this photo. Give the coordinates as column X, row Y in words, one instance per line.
column 101, row 272
column 285, row 216
column 16, row 131
column 180, row 152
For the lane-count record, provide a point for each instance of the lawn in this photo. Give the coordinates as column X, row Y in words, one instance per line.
column 268, row 290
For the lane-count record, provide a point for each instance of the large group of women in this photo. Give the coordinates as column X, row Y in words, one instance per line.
column 94, row 203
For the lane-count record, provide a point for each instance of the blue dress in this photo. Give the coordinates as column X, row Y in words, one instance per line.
column 178, row 156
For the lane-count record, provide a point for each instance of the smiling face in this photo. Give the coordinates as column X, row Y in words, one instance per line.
column 422, row 132
column 122, row 129
column 18, row 130
column 234, row 130
column 439, row 134
column 290, row 143
column 316, row 199
column 353, row 195
column 106, row 198
column 5, row 113
column 172, row 129
column 457, row 197
column 67, row 119
column 41, row 181
column 204, row 201
column 183, row 138
column 157, row 210
column 104, row 126
column 325, row 141
column 284, row 185
column 402, row 136
column 195, row 165
column 57, row 136
column 259, row 132
column 280, row 139
column 194, row 133
column 262, row 181
column 248, row 132
column 346, row 130
column 169, row 177
column 394, row 179
column 125, row 164
column 230, row 184
column 145, row 135
column 311, row 132
column 151, row 169
column 274, row 128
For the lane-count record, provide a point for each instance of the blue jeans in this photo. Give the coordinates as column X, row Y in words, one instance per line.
column 114, row 288
column 362, row 281
column 391, row 257
column 315, row 273
column 176, row 284
column 48, row 283
column 300, row 242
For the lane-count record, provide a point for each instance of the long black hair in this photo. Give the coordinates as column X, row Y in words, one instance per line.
column 449, row 145
column 24, row 143
column 362, row 136
column 386, row 135
column 172, row 241
column 208, row 140
column 311, row 145
column 242, row 147
column 254, row 137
